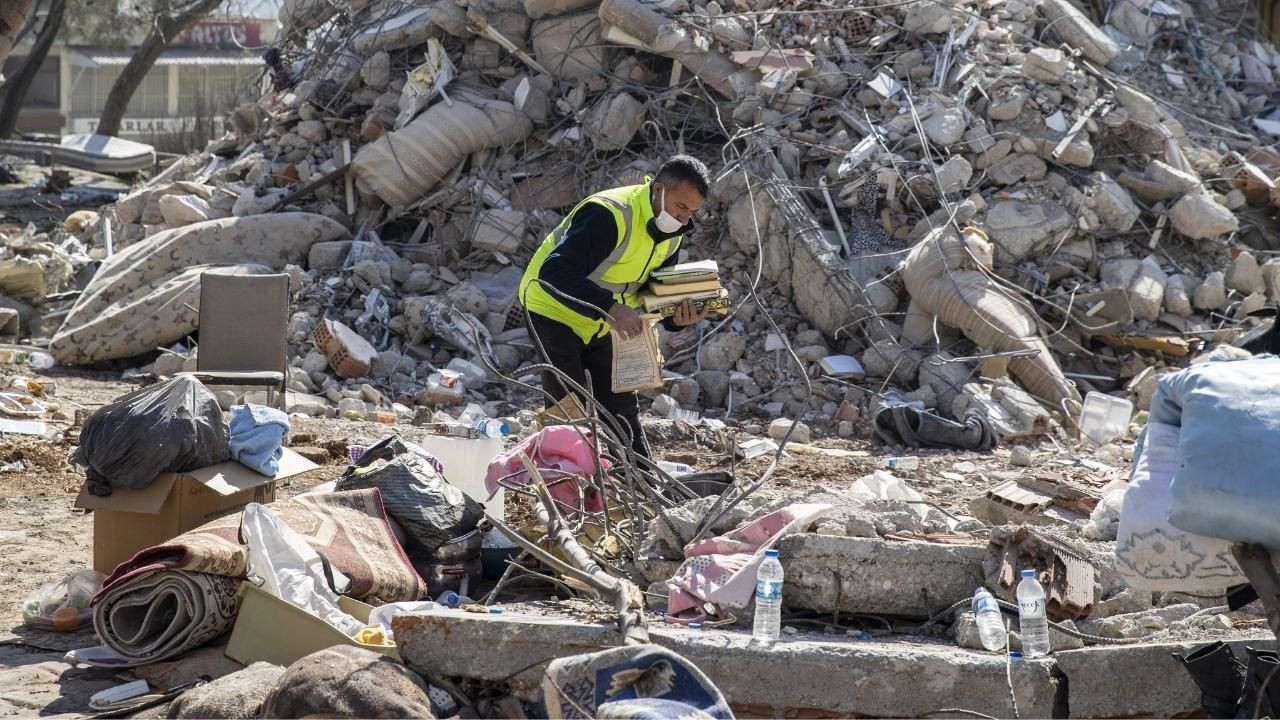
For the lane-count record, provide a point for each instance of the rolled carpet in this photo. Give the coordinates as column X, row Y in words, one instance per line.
column 159, row 615
column 171, row 598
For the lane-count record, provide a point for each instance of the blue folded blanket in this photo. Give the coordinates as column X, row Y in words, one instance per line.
column 257, row 437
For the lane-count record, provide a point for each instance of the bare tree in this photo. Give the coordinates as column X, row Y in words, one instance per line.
column 15, row 90
column 13, row 16
column 166, row 26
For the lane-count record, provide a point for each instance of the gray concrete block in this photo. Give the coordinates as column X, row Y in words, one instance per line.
column 1135, row 680
column 792, row 678
column 876, row 576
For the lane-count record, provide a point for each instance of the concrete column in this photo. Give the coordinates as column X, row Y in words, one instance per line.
column 64, row 85
column 172, row 109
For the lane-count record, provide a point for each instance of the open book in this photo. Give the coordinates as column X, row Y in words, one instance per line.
column 637, row 364
column 687, row 272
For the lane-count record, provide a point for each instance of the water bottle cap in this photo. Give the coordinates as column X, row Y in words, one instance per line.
column 1028, row 573
column 495, row 611
column 771, row 553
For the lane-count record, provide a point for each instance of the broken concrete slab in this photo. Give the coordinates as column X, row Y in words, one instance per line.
column 1114, row 206
column 1097, row 689
column 928, row 18
column 946, row 125
column 1200, row 217
column 614, row 121
column 801, row 676
column 570, row 45
column 1044, row 64
column 499, row 231
column 1211, row 293
column 1245, row 275
column 1018, row 227
column 1074, row 27
column 864, row 575
column 1142, row 109
column 1017, row 167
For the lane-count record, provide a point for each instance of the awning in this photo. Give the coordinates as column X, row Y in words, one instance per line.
column 100, row 57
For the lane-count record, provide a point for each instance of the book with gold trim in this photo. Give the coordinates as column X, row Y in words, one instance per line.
column 666, row 306
column 701, row 286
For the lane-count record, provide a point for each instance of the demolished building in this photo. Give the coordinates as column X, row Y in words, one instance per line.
column 413, row 157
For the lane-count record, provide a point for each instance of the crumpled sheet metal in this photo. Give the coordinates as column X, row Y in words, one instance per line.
column 145, row 296
column 400, row 167
column 944, row 280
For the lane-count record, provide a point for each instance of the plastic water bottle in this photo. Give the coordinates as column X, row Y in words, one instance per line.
column 768, row 625
column 489, row 427
column 910, row 462
column 40, row 360
column 1032, row 623
column 990, row 621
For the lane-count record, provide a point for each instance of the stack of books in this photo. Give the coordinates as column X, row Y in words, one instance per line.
column 695, row 281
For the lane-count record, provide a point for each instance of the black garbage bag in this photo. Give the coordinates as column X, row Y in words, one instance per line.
column 428, row 508
column 174, row 426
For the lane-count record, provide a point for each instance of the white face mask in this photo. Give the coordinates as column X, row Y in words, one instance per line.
column 664, row 221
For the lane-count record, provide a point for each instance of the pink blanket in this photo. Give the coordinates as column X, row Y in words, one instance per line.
column 559, row 452
column 722, row 570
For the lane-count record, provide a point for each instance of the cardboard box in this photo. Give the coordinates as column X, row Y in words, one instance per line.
column 272, row 630
column 131, row 520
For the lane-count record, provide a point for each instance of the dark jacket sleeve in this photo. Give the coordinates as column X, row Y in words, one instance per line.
column 591, row 237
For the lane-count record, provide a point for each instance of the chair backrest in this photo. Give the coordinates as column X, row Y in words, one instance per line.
column 243, row 321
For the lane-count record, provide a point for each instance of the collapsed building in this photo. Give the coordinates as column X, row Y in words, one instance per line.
column 409, row 160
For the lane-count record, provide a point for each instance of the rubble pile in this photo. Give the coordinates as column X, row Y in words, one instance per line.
column 974, row 200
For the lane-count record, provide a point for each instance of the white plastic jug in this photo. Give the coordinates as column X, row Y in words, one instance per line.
column 1104, row 417
column 466, row 462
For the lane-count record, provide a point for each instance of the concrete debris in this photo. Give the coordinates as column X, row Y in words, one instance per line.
column 779, row 428
column 1044, row 64
column 1212, row 293
column 1078, row 31
column 967, row 208
column 1245, row 275
column 1198, row 216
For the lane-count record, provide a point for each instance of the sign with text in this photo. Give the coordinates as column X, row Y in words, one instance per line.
column 222, row 34
column 137, row 126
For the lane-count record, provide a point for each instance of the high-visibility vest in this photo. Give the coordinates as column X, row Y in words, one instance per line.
column 623, row 273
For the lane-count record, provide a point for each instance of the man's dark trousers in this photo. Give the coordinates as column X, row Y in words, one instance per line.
column 567, row 353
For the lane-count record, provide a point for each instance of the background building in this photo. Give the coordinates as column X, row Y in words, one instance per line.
column 206, row 72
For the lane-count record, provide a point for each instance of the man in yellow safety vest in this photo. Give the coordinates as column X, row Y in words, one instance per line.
column 585, row 278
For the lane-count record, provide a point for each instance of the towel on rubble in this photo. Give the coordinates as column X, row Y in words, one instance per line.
column 257, row 437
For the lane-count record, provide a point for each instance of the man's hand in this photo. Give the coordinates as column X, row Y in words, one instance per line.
column 625, row 320
column 687, row 315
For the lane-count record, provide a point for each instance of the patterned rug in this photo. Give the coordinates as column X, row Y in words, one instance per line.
column 174, row 597
column 159, row 615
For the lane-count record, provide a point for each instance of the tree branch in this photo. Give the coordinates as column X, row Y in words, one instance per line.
column 166, row 28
